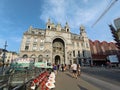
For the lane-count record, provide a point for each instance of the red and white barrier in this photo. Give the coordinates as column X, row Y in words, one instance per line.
column 44, row 81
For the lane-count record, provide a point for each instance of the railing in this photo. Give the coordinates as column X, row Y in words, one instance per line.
column 18, row 79
column 3, row 80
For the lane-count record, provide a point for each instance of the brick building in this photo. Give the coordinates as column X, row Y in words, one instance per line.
column 100, row 50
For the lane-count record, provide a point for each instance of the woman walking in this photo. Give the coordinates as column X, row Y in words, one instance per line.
column 78, row 69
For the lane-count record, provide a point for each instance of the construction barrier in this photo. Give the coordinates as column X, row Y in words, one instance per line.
column 44, row 81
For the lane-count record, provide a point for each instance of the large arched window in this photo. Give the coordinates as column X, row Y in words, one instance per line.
column 25, row 56
column 58, row 45
column 33, row 57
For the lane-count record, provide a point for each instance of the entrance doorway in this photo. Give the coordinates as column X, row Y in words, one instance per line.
column 58, row 47
column 57, row 59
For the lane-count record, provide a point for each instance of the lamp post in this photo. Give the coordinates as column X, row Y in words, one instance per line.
column 4, row 56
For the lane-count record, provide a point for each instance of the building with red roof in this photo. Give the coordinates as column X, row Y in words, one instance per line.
column 100, row 50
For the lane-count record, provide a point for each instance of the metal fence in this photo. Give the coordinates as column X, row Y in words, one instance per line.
column 18, row 79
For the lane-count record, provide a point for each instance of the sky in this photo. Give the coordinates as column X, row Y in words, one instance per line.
column 16, row 16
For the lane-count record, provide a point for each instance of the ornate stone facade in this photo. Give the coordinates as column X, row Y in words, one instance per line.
column 56, row 44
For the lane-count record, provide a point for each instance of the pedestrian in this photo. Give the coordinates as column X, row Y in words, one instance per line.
column 78, row 69
column 74, row 70
column 69, row 66
column 65, row 67
column 62, row 67
column 55, row 68
column 58, row 67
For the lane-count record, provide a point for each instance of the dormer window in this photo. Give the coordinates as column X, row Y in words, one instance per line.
column 48, row 27
column 33, row 32
column 67, row 30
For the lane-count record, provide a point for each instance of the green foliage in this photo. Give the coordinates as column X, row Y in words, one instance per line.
column 115, row 35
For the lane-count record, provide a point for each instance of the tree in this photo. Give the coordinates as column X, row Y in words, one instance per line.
column 115, row 36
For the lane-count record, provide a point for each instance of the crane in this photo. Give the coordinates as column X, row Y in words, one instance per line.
column 105, row 11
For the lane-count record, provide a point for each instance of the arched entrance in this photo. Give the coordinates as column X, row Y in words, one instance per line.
column 57, row 59
column 59, row 49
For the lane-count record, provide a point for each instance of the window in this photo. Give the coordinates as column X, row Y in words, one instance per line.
column 35, row 39
column 79, row 53
column 26, row 47
column 77, row 44
column 42, row 41
column 42, row 33
column 48, row 27
column 40, row 58
column 67, row 30
column 83, row 53
column 28, row 40
column 82, row 44
column 41, row 47
column 33, row 32
column 73, row 44
column 74, row 37
column 34, row 46
column 41, row 44
column 74, row 53
column 87, row 45
column 36, row 32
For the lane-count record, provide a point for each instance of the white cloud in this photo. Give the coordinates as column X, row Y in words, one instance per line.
column 53, row 9
column 113, row 41
column 16, row 39
column 85, row 1
column 70, row 11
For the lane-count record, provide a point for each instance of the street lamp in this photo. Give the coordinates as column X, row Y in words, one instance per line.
column 4, row 56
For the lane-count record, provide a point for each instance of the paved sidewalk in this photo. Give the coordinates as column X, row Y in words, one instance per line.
column 64, row 81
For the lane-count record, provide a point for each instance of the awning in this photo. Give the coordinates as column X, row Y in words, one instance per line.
column 99, row 57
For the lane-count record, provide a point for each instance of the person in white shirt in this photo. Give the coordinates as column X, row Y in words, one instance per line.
column 74, row 69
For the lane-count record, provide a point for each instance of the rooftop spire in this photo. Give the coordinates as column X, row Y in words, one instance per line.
column 82, row 28
column 48, row 20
